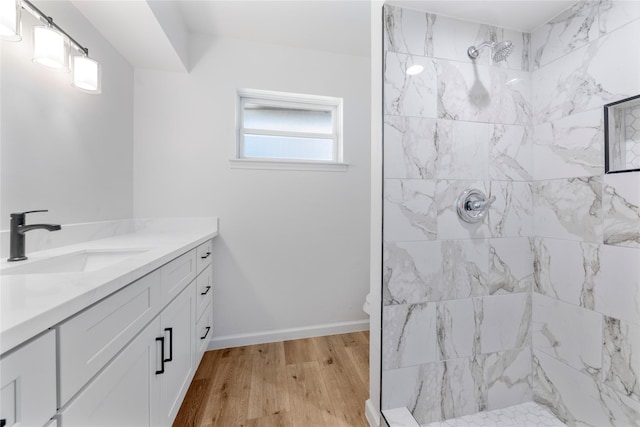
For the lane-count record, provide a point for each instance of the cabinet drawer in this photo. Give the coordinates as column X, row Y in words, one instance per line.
column 177, row 274
column 204, row 330
column 89, row 340
column 204, row 290
column 28, row 388
column 205, row 252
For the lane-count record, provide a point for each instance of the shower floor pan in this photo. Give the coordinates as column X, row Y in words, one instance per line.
column 528, row 414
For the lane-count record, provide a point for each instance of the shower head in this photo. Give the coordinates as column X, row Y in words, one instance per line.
column 501, row 50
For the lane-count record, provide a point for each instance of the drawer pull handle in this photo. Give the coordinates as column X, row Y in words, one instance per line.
column 205, row 256
column 170, row 358
column 206, row 333
column 206, row 290
column 161, row 371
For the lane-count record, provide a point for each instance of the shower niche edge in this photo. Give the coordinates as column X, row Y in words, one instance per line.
column 622, row 136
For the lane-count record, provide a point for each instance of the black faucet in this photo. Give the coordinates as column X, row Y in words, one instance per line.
column 18, row 228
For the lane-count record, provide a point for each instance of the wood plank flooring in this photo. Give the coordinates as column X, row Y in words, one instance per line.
column 313, row 382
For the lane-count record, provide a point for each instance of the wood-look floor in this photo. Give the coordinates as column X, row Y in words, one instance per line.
column 313, row 382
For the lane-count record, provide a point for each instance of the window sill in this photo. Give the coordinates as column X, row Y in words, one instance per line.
column 290, row 165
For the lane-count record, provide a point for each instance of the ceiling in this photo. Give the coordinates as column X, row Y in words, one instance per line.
column 343, row 25
column 337, row 26
column 340, row 26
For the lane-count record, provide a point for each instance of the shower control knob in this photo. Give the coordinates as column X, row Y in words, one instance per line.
column 472, row 205
column 479, row 205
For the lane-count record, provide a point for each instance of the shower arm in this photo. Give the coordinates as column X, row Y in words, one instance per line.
column 474, row 51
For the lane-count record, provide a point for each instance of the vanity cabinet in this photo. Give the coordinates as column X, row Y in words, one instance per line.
column 129, row 359
column 28, row 383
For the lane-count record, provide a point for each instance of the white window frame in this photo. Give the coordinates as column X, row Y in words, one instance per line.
column 297, row 101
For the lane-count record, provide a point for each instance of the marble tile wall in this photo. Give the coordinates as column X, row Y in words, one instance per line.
column 542, row 299
column 457, row 297
column 586, row 249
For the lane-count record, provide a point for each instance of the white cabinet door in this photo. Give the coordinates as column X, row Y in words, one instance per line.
column 127, row 392
column 28, row 387
column 177, row 320
column 89, row 340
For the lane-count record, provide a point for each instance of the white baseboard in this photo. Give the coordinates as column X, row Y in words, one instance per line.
column 238, row 340
column 373, row 416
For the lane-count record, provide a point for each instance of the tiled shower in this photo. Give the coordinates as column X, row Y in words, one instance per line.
column 541, row 300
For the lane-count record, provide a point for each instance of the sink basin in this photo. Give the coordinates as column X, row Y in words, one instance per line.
column 76, row 262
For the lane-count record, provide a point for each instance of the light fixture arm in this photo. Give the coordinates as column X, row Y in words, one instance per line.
column 38, row 14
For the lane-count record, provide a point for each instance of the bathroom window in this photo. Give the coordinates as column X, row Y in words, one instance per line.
column 277, row 130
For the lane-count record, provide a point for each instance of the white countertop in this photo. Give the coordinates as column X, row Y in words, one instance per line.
column 32, row 303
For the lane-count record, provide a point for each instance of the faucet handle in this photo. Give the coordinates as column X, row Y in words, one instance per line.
column 28, row 212
column 19, row 216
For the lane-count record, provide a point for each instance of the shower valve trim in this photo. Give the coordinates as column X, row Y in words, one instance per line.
column 472, row 205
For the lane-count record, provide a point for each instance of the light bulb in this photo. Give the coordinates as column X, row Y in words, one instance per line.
column 87, row 74
column 50, row 48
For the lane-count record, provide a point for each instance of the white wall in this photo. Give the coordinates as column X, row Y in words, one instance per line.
column 63, row 149
column 293, row 250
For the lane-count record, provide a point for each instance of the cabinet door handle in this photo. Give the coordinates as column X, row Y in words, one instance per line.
column 161, row 370
column 206, row 333
column 206, row 290
column 170, row 358
column 205, row 255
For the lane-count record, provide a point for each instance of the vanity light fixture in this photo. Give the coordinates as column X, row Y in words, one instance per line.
column 51, row 45
column 10, row 11
column 50, row 48
column 87, row 74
